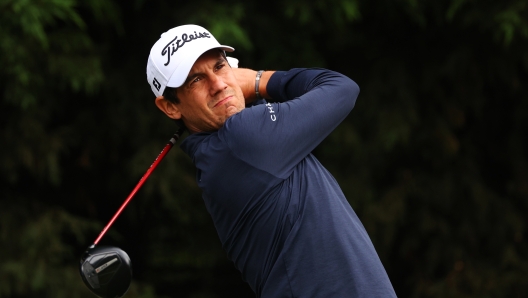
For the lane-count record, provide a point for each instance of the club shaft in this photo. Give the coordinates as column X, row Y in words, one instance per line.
column 140, row 183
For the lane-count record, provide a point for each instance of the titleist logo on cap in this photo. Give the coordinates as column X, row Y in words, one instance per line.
column 176, row 43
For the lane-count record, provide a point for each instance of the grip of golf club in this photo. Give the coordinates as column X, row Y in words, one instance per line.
column 162, row 154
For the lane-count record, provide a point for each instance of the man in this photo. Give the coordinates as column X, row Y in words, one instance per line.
column 280, row 215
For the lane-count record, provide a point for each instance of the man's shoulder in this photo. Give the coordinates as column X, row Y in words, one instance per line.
column 193, row 141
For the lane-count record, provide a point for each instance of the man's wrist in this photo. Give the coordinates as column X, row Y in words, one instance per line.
column 247, row 81
column 257, row 84
column 263, row 83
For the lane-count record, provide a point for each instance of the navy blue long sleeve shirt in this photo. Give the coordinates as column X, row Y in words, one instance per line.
column 280, row 215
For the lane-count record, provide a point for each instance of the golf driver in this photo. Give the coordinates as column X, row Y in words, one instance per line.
column 107, row 270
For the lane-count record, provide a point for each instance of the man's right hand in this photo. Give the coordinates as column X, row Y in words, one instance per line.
column 246, row 80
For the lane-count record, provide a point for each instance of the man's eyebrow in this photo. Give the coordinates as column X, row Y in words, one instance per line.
column 190, row 77
column 193, row 75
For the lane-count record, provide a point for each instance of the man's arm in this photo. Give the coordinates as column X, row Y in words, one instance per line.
column 308, row 104
column 246, row 79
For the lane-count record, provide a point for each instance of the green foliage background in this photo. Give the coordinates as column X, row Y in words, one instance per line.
column 433, row 158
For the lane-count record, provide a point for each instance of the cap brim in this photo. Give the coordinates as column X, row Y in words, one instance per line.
column 180, row 75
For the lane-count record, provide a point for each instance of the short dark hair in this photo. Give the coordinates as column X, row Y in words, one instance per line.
column 170, row 94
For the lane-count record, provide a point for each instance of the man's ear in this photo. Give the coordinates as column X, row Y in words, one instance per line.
column 167, row 107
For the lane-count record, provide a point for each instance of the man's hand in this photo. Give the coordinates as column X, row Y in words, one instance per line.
column 246, row 80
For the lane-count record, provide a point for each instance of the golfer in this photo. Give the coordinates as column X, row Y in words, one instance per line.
column 280, row 215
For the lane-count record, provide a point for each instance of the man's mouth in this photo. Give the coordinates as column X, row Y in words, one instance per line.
column 221, row 102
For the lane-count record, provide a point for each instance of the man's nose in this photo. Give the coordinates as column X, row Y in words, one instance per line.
column 217, row 84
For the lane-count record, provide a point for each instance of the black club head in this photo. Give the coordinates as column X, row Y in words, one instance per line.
column 106, row 271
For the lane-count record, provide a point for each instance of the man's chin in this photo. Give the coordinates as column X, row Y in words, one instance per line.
column 230, row 111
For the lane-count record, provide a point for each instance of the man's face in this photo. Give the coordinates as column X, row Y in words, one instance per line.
column 210, row 94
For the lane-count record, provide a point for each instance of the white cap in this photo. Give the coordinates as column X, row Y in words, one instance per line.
column 173, row 55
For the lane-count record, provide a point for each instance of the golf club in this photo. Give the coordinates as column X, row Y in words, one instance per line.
column 107, row 270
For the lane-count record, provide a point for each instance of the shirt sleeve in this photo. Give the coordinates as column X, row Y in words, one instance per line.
column 275, row 137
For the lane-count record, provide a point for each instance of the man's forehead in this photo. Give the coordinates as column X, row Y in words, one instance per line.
column 215, row 54
column 212, row 56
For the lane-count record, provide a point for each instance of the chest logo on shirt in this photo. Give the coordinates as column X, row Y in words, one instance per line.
column 273, row 116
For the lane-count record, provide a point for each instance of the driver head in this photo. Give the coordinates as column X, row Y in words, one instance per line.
column 106, row 271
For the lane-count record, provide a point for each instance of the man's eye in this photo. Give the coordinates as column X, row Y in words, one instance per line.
column 220, row 66
column 195, row 80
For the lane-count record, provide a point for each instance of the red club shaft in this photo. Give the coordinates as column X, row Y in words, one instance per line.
column 141, row 181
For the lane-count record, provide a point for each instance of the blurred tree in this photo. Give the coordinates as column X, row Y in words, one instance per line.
column 437, row 144
column 433, row 158
column 49, row 65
